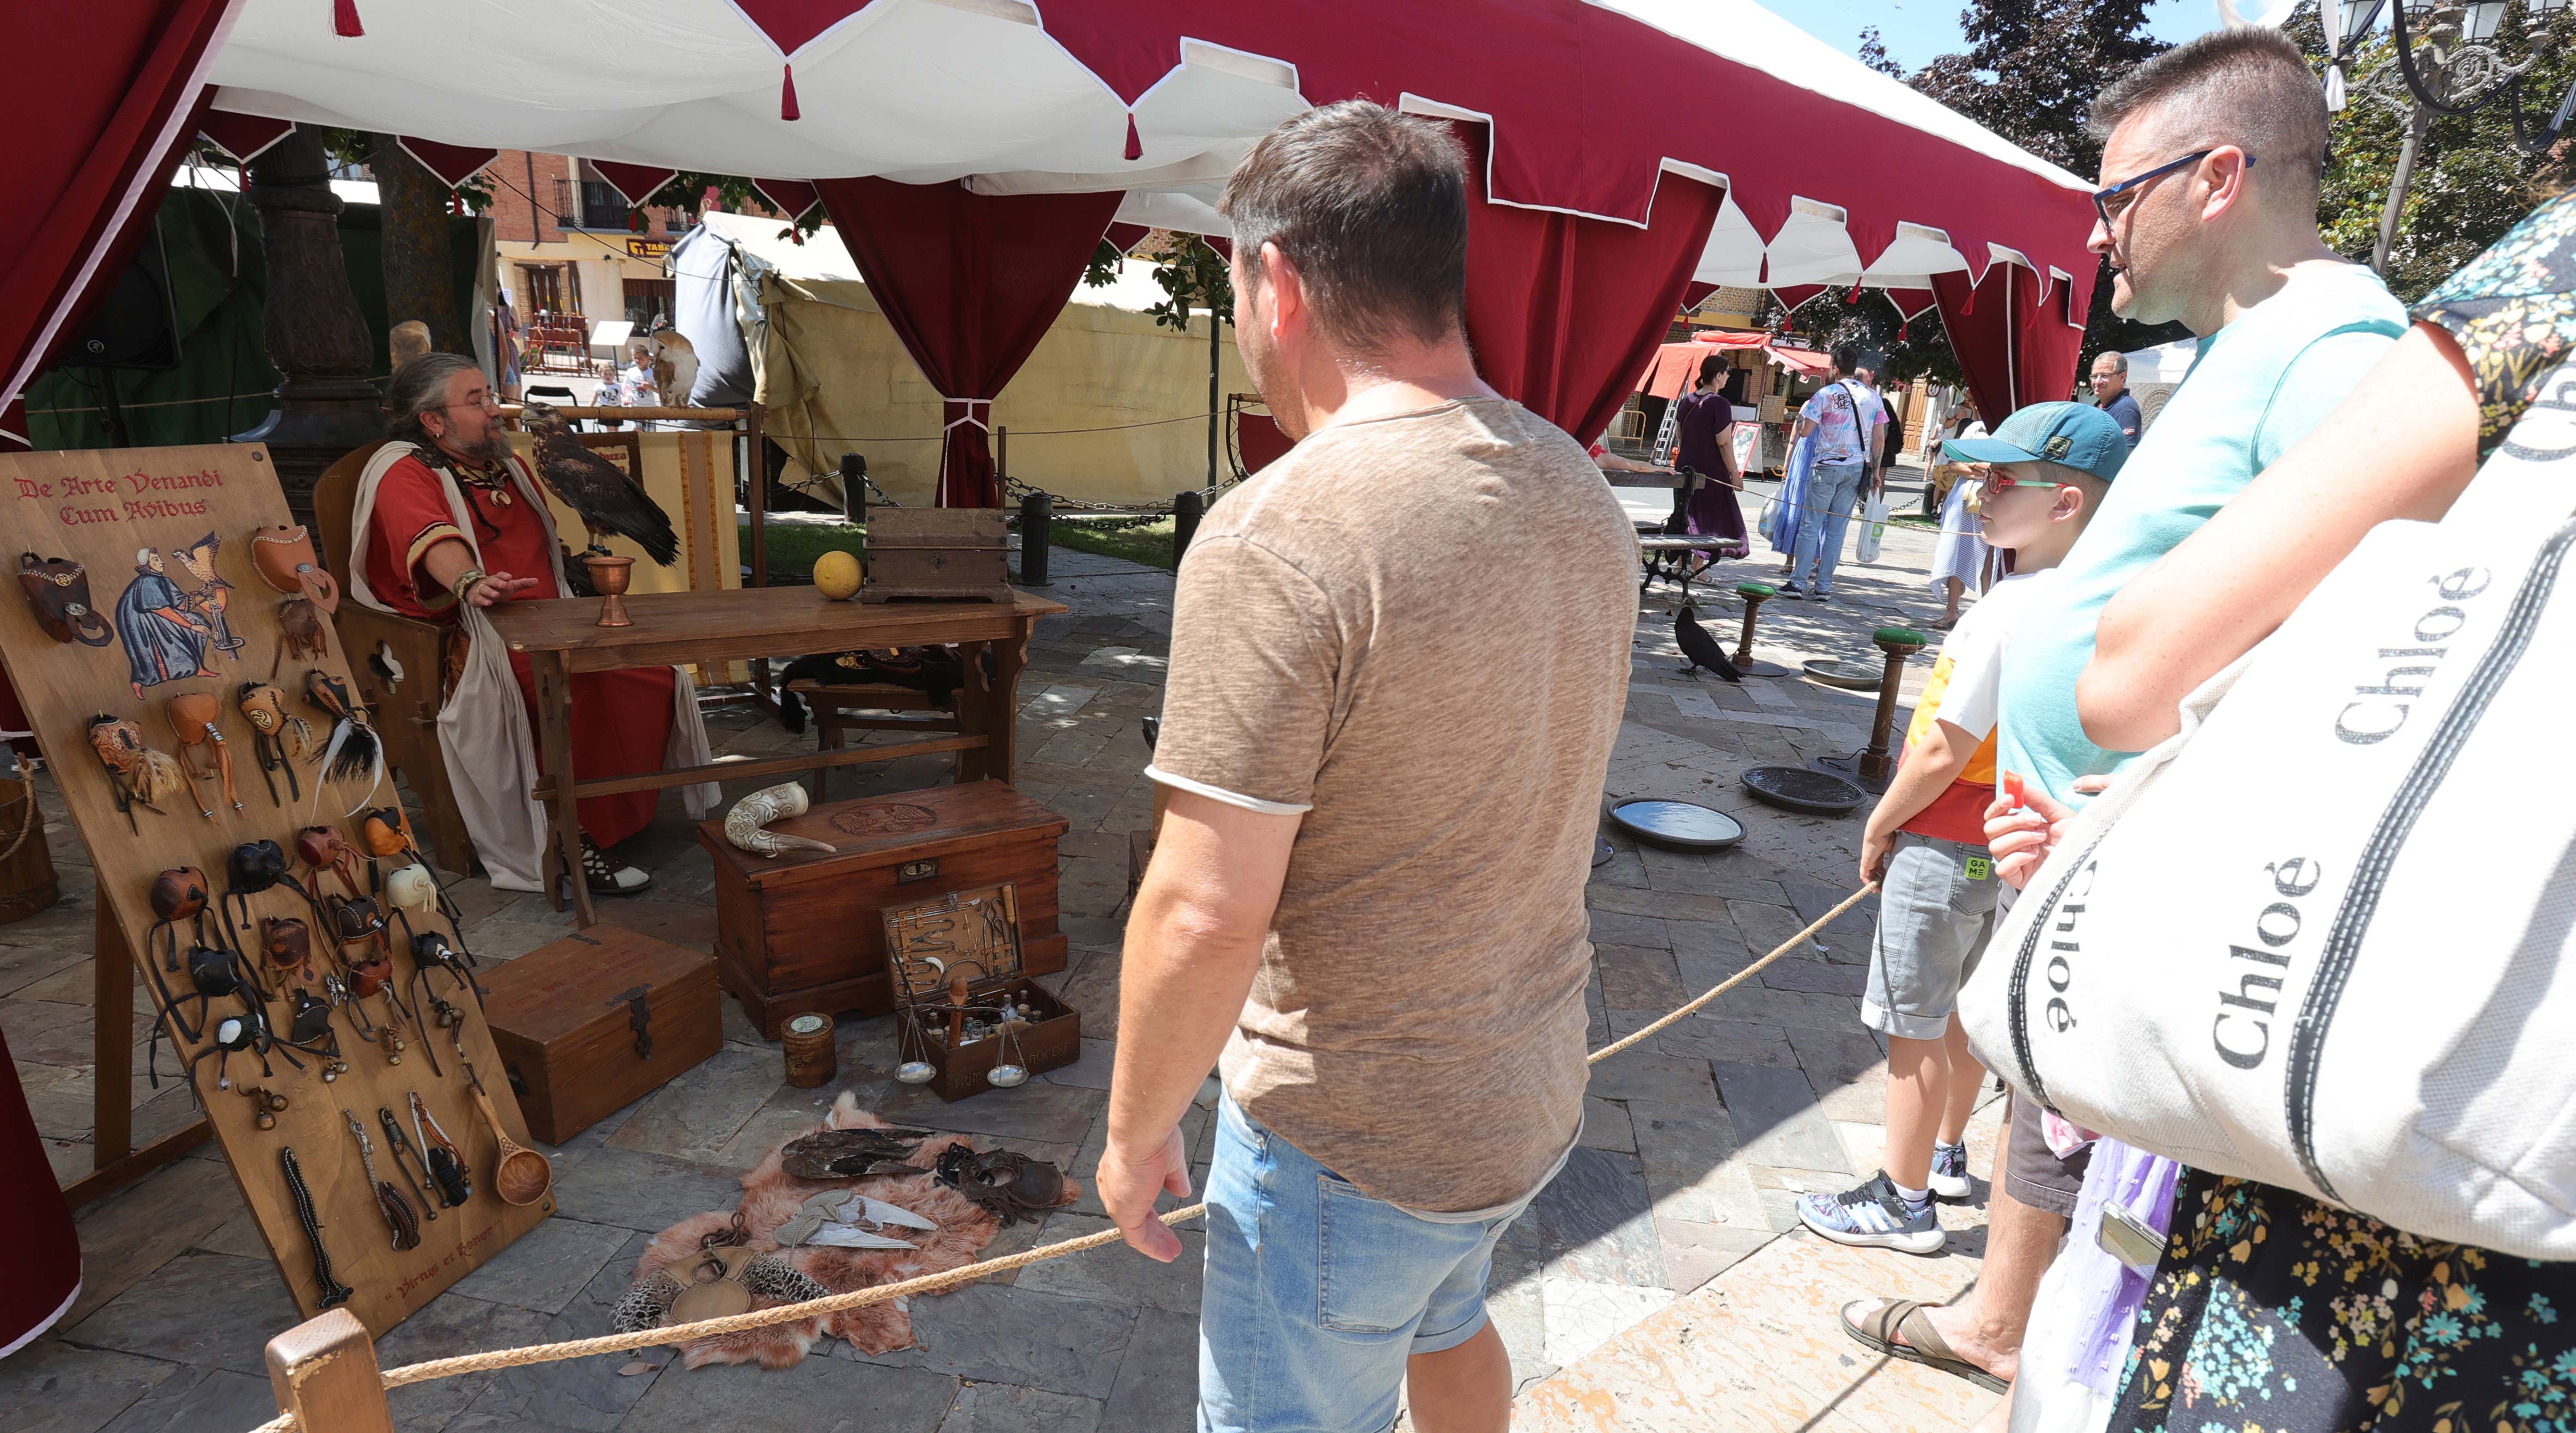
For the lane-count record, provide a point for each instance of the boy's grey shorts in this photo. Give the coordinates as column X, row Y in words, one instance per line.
column 1936, row 909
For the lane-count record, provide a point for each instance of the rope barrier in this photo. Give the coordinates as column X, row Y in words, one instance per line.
column 437, row 1368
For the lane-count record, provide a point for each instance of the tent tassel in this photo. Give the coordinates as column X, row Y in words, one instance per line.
column 1903, row 327
column 1135, row 146
column 1968, row 305
column 344, row 19
column 634, row 220
column 787, row 92
column 1854, row 296
column 455, row 203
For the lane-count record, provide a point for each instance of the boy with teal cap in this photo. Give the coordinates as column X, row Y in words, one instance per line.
column 2040, row 478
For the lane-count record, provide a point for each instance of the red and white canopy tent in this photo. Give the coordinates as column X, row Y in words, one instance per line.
column 971, row 152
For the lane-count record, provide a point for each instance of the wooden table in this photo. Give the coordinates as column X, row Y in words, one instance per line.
column 563, row 637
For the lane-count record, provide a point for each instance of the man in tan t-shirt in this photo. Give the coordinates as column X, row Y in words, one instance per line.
column 1399, row 658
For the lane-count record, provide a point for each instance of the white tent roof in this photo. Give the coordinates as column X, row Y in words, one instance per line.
column 983, row 90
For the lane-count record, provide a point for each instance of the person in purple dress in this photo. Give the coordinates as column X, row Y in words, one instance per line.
column 1704, row 453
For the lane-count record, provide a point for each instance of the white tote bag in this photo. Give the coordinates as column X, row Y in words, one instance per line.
column 2319, row 939
column 1873, row 528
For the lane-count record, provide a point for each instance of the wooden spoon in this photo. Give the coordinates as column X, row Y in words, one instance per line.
column 523, row 1176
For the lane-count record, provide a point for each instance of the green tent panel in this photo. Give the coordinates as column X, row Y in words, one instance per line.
column 218, row 292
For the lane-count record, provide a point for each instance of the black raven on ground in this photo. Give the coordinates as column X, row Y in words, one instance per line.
column 1701, row 649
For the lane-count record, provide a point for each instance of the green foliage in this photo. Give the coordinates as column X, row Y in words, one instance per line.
column 2471, row 182
column 1193, row 274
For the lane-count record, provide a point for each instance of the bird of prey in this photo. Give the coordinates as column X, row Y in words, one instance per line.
column 1701, row 649
column 675, row 366
column 592, row 487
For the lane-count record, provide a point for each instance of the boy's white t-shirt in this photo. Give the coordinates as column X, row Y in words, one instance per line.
column 1966, row 691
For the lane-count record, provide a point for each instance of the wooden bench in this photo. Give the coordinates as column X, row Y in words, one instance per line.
column 1668, row 555
column 840, row 708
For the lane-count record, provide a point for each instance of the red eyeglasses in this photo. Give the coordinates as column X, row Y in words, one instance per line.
column 1996, row 481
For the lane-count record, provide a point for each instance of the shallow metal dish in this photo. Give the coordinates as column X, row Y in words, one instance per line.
column 1677, row 825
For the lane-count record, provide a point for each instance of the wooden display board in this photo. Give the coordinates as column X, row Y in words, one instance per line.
column 207, row 622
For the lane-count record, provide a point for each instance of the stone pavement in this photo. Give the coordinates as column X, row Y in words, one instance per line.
column 1658, row 1260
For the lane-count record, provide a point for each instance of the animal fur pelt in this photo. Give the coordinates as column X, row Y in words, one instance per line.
column 771, row 1197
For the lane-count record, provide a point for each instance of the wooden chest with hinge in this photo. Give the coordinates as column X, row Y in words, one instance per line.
column 597, row 1020
column 956, row 554
column 803, row 930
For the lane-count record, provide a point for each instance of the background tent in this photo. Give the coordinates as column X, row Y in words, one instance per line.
column 1603, row 202
column 1110, row 407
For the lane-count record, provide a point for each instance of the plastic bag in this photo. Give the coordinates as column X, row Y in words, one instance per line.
column 1873, row 527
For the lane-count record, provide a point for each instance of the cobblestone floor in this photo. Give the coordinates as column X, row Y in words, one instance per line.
column 1672, row 1214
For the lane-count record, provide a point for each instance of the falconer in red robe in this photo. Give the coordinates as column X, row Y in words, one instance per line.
column 448, row 523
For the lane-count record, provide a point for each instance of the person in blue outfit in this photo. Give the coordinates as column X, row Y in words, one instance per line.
column 165, row 639
column 1843, row 419
column 2111, row 393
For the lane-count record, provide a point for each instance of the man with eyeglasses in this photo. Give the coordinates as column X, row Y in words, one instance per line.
column 2212, row 157
column 447, row 522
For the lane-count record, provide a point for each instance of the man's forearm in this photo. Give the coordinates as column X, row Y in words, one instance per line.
column 1182, row 986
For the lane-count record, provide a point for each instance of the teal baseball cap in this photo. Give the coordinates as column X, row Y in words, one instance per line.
column 2078, row 435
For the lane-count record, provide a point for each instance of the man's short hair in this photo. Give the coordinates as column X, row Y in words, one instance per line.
column 2119, row 360
column 1371, row 206
column 1846, row 358
column 2246, row 85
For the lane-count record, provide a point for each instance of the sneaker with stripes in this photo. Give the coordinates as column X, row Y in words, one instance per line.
column 1949, row 1171
column 1874, row 1216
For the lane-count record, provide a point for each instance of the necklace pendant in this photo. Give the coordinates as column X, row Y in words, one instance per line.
column 501, row 497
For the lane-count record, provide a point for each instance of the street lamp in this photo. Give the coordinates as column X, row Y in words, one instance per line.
column 2446, row 62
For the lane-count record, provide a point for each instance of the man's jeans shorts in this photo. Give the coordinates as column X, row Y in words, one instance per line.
column 1936, row 910
column 1316, row 1294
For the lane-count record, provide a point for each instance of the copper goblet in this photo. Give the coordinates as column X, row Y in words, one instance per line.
column 608, row 578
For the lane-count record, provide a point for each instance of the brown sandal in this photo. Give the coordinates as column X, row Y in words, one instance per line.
column 1880, row 1328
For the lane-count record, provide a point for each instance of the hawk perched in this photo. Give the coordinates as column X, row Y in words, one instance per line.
column 592, row 487
column 675, row 366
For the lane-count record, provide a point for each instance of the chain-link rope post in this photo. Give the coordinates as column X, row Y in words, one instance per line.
column 1187, row 509
column 1037, row 515
column 854, row 489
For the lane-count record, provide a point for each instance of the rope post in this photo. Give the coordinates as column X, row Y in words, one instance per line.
column 854, row 488
column 1754, row 595
column 324, row 1372
column 1037, row 516
column 1187, row 509
column 1898, row 643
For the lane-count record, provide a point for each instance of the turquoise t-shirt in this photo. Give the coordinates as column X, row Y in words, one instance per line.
column 2255, row 388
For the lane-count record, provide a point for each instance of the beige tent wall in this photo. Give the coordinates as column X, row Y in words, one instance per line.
column 835, row 371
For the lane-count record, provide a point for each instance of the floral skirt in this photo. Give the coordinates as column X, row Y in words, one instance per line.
column 2273, row 1313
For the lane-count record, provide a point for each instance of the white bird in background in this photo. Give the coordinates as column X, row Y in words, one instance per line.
column 675, row 366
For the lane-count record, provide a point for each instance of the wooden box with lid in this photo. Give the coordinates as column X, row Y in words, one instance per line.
column 969, row 1009
column 949, row 553
column 803, row 931
column 595, row 1021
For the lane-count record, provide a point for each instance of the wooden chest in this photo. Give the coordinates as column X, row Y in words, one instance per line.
column 951, row 553
column 594, row 1021
column 803, row 931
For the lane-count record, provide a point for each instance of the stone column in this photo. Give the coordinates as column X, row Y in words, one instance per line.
column 316, row 336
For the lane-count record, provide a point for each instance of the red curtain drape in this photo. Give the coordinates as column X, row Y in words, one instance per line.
column 1984, row 323
column 970, row 283
column 101, row 100
column 2013, row 345
column 1564, row 311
